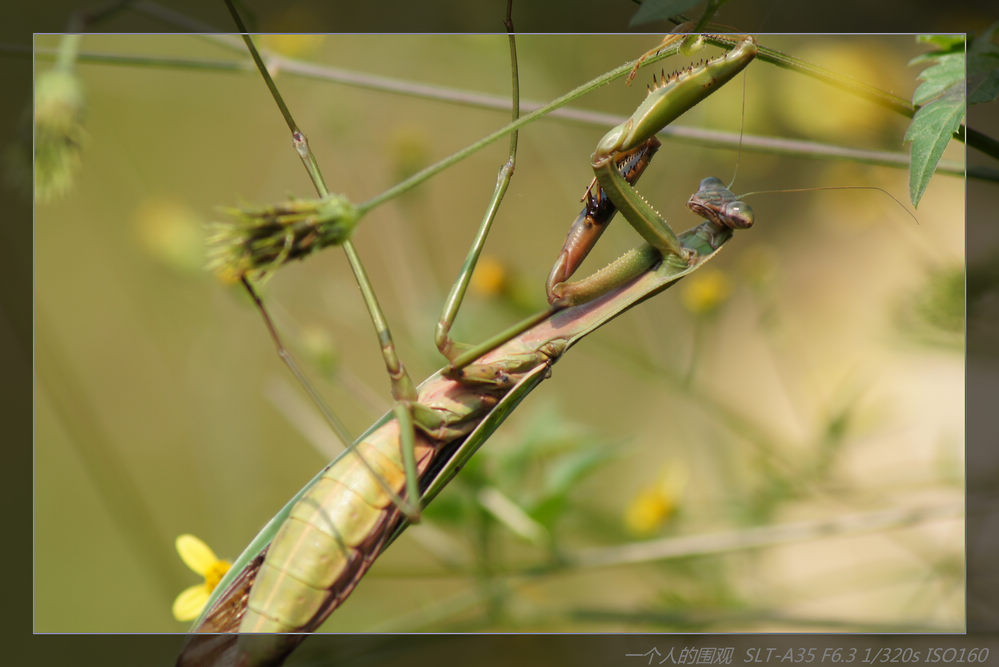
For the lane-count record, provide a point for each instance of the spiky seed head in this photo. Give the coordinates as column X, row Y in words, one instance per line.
column 256, row 241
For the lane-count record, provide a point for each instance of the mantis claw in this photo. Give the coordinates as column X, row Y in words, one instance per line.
column 618, row 161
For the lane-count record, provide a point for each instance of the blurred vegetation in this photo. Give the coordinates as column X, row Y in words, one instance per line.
column 771, row 389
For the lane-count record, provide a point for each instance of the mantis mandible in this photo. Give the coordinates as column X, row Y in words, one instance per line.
column 316, row 549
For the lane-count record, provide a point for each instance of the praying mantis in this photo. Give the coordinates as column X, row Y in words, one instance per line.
column 291, row 579
column 316, row 290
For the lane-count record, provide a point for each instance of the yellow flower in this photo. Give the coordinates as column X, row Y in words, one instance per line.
column 653, row 505
column 321, row 349
column 172, row 234
column 293, row 46
column 490, row 277
column 200, row 558
column 648, row 510
column 706, row 291
column 410, row 150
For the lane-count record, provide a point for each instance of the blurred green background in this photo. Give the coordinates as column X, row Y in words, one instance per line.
column 814, row 370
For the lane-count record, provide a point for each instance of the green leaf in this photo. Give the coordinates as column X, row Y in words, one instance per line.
column 656, row 10
column 931, row 129
column 941, row 95
column 948, row 71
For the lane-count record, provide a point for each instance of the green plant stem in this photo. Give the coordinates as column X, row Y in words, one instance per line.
column 402, row 386
column 686, row 546
column 974, row 139
column 403, row 389
column 694, row 136
column 761, row 536
column 561, row 101
column 69, row 49
column 442, row 334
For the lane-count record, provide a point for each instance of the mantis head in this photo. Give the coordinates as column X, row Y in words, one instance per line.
column 716, row 203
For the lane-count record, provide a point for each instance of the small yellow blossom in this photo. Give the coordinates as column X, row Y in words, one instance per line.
column 410, row 150
column 490, row 277
column 293, row 46
column 706, row 291
column 653, row 505
column 171, row 233
column 200, row 558
column 321, row 349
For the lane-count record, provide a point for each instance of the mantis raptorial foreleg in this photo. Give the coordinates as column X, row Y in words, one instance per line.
column 618, row 161
column 667, row 100
column 598, row 211
column 681, row 33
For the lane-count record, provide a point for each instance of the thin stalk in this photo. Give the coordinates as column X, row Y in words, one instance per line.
column 709, row 12
column 654, row 551
column 338, row 427
column 69, row 48
column 847, row 84
column 414, row 180
column 840, row 81
column 402, row 385
column 760, row 536
column 403, row 389
column 695, row 136
column 454, row 299
column 329, row 416
column 742, row 539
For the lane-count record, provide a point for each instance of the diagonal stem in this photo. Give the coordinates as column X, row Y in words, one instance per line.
column 402, row 385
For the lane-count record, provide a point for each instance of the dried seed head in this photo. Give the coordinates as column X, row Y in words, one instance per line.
column 258, row 240
column 59, row 133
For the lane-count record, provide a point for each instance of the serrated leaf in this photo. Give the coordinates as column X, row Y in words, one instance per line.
column 930, row 130
column 948, row 71
column 656, row 10
column 943, row 101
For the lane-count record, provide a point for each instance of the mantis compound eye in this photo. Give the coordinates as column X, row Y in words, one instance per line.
column 737, row 215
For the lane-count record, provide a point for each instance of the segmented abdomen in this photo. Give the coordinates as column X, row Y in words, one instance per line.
column 331, row 536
